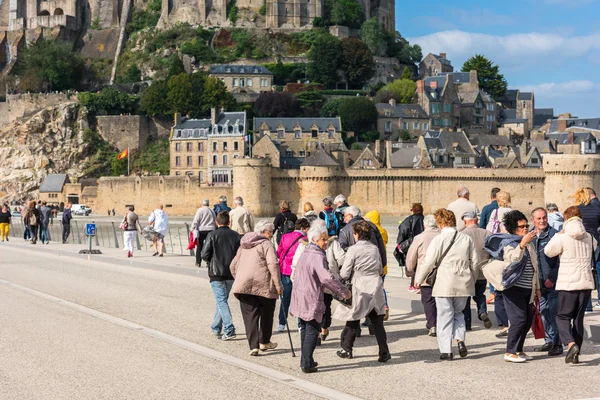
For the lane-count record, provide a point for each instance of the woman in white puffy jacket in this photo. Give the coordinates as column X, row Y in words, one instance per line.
column 575, row 279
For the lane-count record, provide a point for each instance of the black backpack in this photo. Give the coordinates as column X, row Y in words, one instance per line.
column 288, row 225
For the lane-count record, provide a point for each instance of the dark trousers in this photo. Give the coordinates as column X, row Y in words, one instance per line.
column 520, row 317
column 308, row 339
column 66, row 231
column 284, row 306
column 327, row 316
column 570, row 313
column 201, row 238
column 34, row 232
column 257, row 313
column 501, row 316
column 479, row 301
column 429, row 306
column 26, row 233
column 349, row 333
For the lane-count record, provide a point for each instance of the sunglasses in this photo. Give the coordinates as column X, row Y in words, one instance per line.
column 522, row 226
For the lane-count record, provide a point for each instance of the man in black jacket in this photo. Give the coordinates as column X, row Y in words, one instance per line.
column 219, row 250
column 352, row 215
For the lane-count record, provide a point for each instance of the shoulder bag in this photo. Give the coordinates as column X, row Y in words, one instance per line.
column 594, row 270
column 430, row 280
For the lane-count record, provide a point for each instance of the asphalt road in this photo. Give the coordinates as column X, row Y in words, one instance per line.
column 108, row 328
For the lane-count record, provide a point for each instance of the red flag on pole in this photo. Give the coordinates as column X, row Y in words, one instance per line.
column 124, row 154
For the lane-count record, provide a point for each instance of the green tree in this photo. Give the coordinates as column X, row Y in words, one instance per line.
column 347, row 13
column 175, row 66
column 232, row 11
column 311, row 102
column 49, row 65
column 400, row 48
column 216, row 95
column 110, row 101
column 406, row 74
column 198, row 80
column 179, row 97
column 488, row 74
column 357, row 62
column 375, row 36
column 331, row 109
column 325, row 58
column 358, row 114
column 132, row 75
column 403, row 90
column 154, row 99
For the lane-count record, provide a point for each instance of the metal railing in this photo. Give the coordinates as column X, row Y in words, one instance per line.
column 108, row 235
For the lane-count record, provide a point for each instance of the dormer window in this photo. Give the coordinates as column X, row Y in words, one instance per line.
column 256, row 70
column 228, row 70
column 242, row 70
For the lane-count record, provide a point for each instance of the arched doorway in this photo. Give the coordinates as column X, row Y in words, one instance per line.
column 59, row 11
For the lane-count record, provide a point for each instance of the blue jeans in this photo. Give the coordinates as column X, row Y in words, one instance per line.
column 548, row 309
column 45, row 235
column 26, row 233
column 222, row 319
column 287, row 298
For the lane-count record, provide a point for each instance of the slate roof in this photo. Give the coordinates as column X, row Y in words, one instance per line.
column 444, row 142
column 578, row 137
column 200, row 128
column 542, row 146
column 401, row 111
column 319, row 158
column 525, row 95
column 541, row 116
column 230, row 69
column 458, row 77
column 440, row 79
column 490, row 140
column 442, row 59
column 589, row 123
column 53, row 183
column 511, row 94
column 405, row 157
column 304, row 123
column 468, row 97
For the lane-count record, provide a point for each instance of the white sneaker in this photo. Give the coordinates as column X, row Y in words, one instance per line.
column 268, row 346
column 525, row 356
column 280, row 328
column 254, row 352
column 514, row 358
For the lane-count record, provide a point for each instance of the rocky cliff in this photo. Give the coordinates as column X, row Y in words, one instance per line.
column 50, row 141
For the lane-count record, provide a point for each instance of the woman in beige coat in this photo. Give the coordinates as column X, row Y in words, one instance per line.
column 257, row 285
column 455, row 257
column 363, row 265
column 575, row 279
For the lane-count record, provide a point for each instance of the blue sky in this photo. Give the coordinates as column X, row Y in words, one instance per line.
column 549, row 46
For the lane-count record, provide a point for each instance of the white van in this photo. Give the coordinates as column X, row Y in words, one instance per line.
column 80, row 209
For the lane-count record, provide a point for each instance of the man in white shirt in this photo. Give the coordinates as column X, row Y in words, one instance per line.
column 462, row 205
column 160, row 223
column 241, row 219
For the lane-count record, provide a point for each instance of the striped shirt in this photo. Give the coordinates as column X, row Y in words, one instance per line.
column 526, row 280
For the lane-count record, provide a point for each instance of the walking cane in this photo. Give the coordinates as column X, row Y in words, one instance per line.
column 288, row 328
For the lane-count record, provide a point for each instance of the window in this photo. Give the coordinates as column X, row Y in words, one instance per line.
column 235, row 81
column 235, row 146
column 314, row 133
column 201, row 176
column 242, row 82
column 415, row 125
column 280, row 133
column 200, row 161
column 264, row 82
column 425, row 127
column 225, row 159
column 249, row 82
column 189, row 173
column 224, row 146
column 367, row 163
column 200, row 146
column 446, row 122
column 188, row 147
column 215, row 160
column 189, row 161
column 330, row 133
column 177, row 173
column 178, row 161
column 220, row 176
column 301, row 153
column 534, row 160
column 297, row 134
column 405, row 126
column 435, row 108
column 465, row 160
column 387, row 126
column 447, row 107
column 177, row 146
column 214, row 146
column 289, row 153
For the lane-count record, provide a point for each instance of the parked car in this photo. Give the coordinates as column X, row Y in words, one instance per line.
column 81, row 209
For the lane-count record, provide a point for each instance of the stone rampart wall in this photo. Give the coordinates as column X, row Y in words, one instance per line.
column 20, row 105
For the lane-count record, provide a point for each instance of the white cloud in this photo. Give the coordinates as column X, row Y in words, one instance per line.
column 577, row 96
column 514, row 51
column 576, row 88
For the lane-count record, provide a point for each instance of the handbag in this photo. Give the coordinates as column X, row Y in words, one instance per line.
column 594, row 270
column 537, row 326
column 348, row 285
column 124, row 224
column 432, row 275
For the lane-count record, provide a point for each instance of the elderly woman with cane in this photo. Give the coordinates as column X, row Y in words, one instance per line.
column 257, row 285
column 311, row 278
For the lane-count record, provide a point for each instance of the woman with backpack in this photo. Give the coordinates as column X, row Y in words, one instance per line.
column 285, row 254
column 32, row 220
column 495, row 224
column 332, row 219
column 408, row 229
column 309, row 212
column 285, row 221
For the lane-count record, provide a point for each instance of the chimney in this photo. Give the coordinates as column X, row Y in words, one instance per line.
column 570, row 137
column 378, row 149
column 473, row 77
column 443, row 55
column 561, row 125
column 420, row 86
column 433, row 84
column 213, row 115
column 388, row 154
column 393, row 102
column 177, row 118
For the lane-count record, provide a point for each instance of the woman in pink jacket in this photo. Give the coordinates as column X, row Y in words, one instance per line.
column 285, row 253
column 311, row 278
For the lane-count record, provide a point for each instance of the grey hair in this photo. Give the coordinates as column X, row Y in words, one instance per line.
column 318, row 222
column 239, row 201
column 462, row 191
column 223, row 198
column 429, row 221
column 340, row 198
column 551, row 207
column 352, row 210
column 315, row 232
column 327, row 201
column 205, row 202
column 264, row 226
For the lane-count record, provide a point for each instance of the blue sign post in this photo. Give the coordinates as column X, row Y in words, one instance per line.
column 90, row 231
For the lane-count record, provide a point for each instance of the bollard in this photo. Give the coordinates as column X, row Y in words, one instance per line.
column 187, row 228
column 115, row 233
column 100, row 232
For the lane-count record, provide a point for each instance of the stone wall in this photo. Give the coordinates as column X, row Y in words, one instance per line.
column 130, row 131
column 21, row 105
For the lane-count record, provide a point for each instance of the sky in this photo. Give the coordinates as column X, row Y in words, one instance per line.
column 551, row 47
